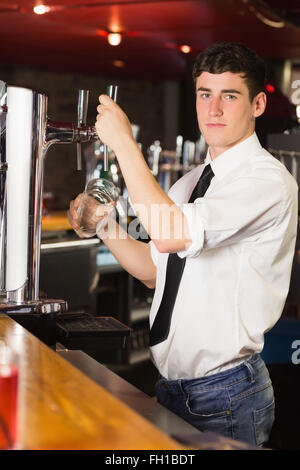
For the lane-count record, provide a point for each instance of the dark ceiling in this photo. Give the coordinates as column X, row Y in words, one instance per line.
column 73, row 36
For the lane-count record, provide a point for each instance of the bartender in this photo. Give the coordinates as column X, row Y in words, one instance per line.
column 221, row 250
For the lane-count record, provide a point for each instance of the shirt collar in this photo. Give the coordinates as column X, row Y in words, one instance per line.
column 233, row 157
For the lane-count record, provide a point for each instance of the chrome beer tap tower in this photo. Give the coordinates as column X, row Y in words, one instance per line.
column 26, row 133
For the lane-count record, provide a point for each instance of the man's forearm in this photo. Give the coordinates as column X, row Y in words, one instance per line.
column 162, row 219
column 134, row 256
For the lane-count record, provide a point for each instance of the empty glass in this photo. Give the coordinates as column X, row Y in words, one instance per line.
column 98, row 191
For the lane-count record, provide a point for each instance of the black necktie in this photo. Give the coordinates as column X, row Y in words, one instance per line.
column 175, row 266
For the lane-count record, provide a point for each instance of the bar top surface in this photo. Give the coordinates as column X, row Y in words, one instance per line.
column 61, row 408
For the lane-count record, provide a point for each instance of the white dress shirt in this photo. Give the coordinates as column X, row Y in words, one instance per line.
column 238, row 266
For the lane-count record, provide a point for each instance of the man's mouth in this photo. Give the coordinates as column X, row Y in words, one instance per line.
column 215, row 124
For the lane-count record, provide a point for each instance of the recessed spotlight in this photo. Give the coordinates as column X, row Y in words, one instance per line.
column 114, row 39
column 41, row 9
column 118, row 63
column 185, row 49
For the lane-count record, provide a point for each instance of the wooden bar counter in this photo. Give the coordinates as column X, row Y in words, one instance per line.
column 61, row 408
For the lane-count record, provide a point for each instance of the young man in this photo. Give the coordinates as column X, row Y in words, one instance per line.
column 221, row 250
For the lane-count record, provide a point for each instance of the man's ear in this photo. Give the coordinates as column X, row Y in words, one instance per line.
column 259, row 104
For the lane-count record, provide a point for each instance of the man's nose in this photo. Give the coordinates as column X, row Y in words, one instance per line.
column 215, row 108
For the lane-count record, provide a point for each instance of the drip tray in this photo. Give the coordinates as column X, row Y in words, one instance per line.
column 86, row 331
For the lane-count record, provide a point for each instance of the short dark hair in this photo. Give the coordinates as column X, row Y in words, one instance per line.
column 233, row 57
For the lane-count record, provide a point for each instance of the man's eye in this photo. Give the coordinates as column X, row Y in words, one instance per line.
column 205, row 96
column 229, row 97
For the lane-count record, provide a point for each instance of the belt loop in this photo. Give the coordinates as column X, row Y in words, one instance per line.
column 251, row 370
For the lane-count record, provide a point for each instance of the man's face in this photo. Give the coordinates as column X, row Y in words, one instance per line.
column 226, row 116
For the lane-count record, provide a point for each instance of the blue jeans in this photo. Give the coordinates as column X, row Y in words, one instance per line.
column 237, row 403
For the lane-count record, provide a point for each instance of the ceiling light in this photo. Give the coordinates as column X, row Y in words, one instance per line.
column 114, row 39
column 41, row 9
column 118, row 63
column 185, row 49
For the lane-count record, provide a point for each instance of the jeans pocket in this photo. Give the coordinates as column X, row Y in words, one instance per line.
column 263, row 422
column 210, row 412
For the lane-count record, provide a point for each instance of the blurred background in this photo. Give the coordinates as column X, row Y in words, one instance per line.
column 147, row 48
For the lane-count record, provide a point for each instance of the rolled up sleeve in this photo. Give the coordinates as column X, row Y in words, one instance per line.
column 196, row 227
column 236, row 213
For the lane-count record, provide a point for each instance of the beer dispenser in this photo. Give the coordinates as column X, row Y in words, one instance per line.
column 26, row 133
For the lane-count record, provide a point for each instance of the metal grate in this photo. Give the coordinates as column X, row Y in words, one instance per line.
column 85, row 323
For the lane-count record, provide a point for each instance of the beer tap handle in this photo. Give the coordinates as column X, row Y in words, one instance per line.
column 112, row 91
column 83, row 101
